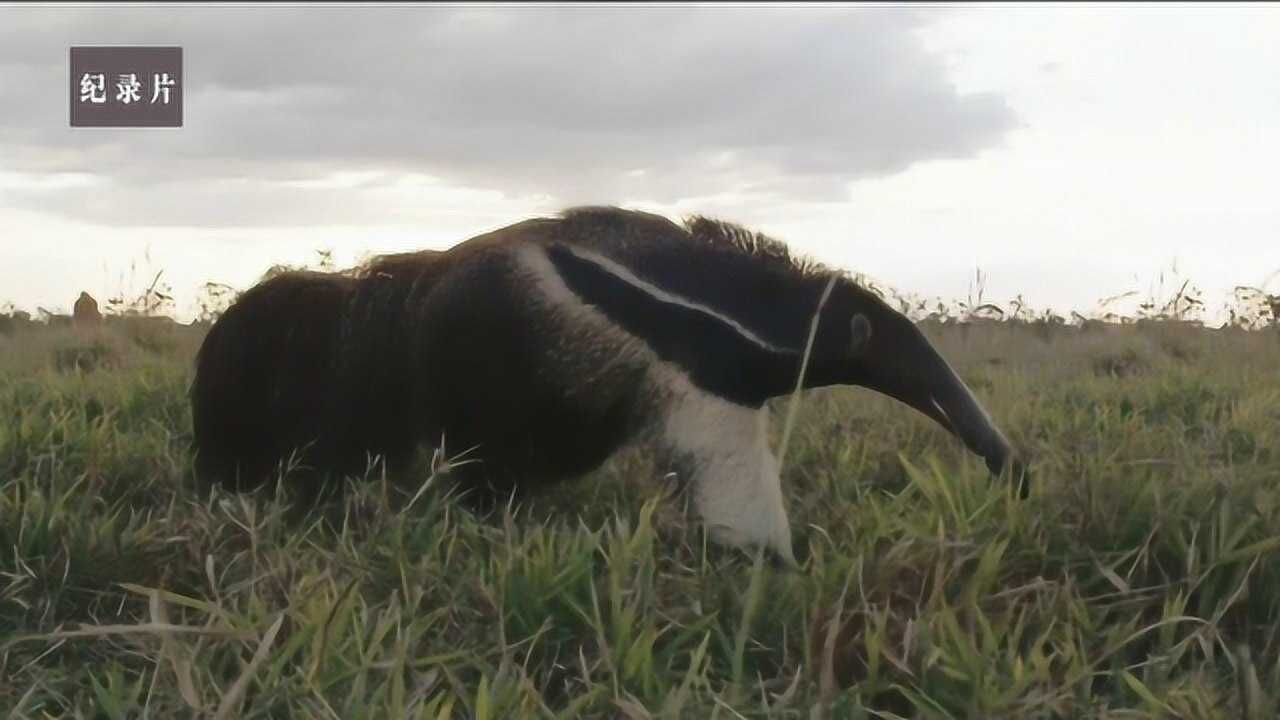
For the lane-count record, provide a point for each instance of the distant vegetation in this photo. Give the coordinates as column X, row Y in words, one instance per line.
column 1141, row 579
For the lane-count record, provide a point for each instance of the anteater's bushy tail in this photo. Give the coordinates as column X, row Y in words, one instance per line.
column 265, row 376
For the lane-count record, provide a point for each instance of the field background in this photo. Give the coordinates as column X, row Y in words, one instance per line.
column 1140, row 579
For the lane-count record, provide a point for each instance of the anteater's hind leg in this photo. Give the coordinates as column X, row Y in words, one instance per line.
column 263, row 374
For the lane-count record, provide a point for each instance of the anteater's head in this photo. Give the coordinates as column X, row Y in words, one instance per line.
column 863, row 341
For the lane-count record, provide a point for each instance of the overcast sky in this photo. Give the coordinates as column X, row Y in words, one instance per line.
column 1071, row 153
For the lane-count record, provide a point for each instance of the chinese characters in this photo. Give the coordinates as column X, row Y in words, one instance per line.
column 128, row 88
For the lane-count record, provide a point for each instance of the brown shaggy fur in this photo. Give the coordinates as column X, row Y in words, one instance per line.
column 331, row 369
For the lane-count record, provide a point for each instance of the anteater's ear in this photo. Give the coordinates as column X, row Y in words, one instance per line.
column 859, row 333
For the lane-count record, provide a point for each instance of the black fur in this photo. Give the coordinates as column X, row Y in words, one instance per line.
column 744, row 275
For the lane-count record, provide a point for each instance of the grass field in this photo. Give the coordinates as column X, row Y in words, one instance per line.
column 1140, row 579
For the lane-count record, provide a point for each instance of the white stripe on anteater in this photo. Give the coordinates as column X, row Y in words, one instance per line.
column 624, row 274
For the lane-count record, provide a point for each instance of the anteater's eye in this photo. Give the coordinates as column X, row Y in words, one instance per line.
column 859, row 333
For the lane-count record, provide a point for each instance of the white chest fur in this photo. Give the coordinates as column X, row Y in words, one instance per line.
column 734, row 475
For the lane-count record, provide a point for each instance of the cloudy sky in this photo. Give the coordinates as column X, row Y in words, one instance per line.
column 1070, row 153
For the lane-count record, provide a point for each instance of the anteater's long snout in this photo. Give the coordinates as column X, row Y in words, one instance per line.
column 904, row 365
column 956, row 408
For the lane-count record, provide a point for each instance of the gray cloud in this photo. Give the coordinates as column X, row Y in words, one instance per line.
column 582, row 104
